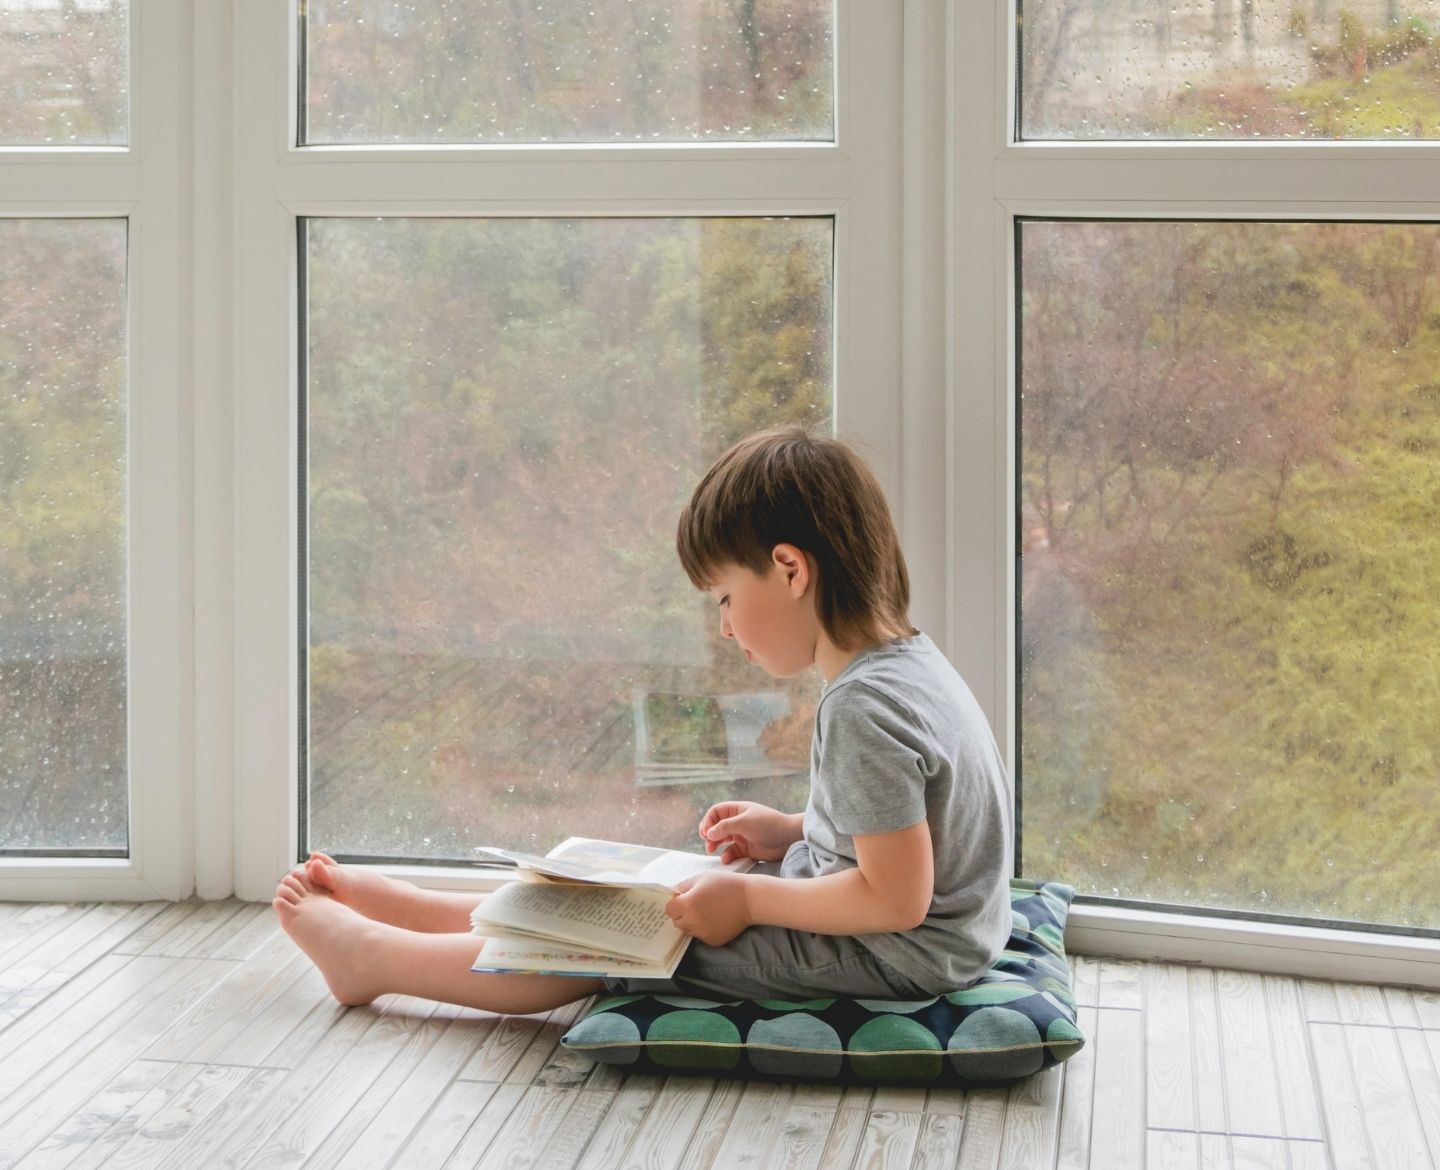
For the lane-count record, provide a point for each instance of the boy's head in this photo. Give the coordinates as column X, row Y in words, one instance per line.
column 788, row 487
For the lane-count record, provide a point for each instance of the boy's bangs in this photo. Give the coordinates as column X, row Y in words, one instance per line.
column 704, row 544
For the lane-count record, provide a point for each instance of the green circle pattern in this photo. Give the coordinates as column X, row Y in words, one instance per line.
column 998, row 1043
column 694, row 1039
column 785, row 1047
column 895, row 1049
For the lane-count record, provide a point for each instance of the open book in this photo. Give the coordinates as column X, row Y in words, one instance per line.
column 588, row 907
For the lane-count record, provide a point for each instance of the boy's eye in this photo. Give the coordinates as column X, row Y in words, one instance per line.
column 724, row 599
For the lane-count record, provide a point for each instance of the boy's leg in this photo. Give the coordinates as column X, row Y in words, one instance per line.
column 362, row 959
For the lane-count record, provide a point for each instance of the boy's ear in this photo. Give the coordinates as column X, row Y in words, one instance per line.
column 795, row 565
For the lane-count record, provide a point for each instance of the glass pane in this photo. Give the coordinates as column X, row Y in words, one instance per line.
column 64, row 72
column 1230, row 69
column 63, row 775
column 494, row 71
column 504, row 419
column 1230, row 539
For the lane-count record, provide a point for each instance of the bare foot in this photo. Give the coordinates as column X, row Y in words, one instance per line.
column 366, row 892
column 338, row 940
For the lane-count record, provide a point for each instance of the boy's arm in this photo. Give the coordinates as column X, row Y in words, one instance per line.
column 891, row 890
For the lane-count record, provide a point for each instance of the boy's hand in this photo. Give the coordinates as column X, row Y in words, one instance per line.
column 712, row 907
column 743, row 828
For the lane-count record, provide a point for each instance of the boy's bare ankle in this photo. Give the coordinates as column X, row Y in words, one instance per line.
column 385, row 899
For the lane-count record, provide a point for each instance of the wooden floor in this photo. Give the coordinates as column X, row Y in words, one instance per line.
column 194, row 1035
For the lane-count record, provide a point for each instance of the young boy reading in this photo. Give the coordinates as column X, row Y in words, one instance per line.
column 893, row 884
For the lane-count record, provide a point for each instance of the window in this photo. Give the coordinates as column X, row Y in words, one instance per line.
column 66, row 73
column 506, row 315
column 95, row 705
column 1220, row 71
column 1227, row 493
column 503, row 418
column 499, row 73
column 324, row 355
column 63, row 738
column 1223, row 368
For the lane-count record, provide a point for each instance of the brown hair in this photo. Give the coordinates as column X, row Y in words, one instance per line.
column 786, row 486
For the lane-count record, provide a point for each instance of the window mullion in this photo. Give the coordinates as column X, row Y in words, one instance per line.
column 1270, row 178
column 92, row 186
column 598, row 181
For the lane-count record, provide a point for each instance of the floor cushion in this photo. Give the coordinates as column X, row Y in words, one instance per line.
column 1015, row 1020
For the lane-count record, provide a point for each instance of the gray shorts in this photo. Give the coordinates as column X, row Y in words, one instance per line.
column 774, row 962
column 771, row 962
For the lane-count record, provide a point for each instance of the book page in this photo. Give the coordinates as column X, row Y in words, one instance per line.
column 619, row 864
column 628, row 922
column 520, row 955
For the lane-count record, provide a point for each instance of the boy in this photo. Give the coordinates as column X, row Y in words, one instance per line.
column 904, row 848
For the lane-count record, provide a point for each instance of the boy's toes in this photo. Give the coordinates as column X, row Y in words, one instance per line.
column 321, row 874
column 286, row 895
column 297, row 885
column 325, row 857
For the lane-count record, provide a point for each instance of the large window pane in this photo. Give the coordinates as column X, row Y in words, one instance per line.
column 1230, row 69
column 1230, row 542
column 62, row 535
column 504, row 418
column 640, row 71
column 64, row 72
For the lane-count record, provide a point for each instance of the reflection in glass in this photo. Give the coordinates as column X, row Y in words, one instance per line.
column 1229, row 69
column 504, row 418
column 64, row 72
column 493, row 71
column 63, row 774
column 1229, row 542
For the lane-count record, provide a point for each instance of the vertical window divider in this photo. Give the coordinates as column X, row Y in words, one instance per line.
column 212, row 378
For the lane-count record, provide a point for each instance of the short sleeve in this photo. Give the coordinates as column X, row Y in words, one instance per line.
column 871, row 766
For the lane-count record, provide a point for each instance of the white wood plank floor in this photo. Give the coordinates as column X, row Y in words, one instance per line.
column 195, row 1035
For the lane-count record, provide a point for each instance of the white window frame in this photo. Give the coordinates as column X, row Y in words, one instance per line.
column 142, row 183
column 925, row 185
column 991, row 181
column 857, row 180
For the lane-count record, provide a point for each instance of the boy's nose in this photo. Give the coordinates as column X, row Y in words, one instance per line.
column 725, row 630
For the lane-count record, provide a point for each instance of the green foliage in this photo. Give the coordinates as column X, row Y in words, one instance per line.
column 680, row 70
column 504, row 449
column 1234, row 705
column 1362, row 86
column 1397, row 101
column 1352, row 35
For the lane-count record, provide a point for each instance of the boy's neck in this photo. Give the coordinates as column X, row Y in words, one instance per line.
column 830, row 660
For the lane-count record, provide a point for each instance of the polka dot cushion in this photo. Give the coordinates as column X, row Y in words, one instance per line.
column 1015, row 1020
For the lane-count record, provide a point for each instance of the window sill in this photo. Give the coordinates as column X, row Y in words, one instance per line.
column 1307, row 952
column 76, row 879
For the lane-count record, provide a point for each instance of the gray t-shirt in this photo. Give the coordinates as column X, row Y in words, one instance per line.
column 898, row 739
